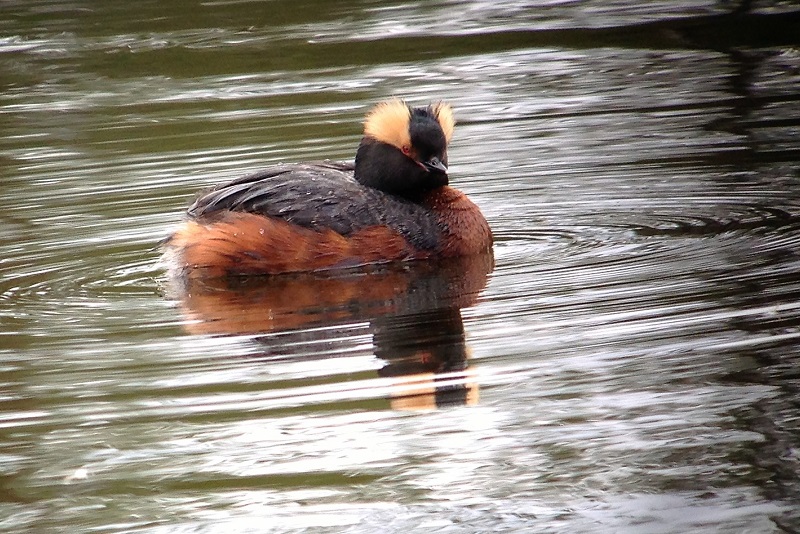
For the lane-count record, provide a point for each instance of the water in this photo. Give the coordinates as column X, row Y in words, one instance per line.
column 627, row 363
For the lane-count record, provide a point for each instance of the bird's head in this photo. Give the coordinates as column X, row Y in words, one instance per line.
column 404, row 149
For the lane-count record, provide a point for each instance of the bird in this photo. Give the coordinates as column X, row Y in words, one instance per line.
column 392, row 204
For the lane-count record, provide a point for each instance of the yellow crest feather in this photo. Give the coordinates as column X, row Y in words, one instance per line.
column 444, row 115
column 388, row 122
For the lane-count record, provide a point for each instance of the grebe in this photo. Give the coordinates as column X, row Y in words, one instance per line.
column 393, row 204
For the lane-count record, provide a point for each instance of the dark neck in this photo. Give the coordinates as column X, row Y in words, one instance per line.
column 384, row 167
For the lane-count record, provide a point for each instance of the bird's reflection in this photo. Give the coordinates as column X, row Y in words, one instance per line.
column 413, row 311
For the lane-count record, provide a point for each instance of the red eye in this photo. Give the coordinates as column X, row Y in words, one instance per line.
column 406, row 150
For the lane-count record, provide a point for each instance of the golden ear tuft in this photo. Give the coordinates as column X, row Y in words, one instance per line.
column 388, row 122
column 444, row 115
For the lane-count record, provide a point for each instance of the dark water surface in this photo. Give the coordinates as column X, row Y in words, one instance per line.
column 629, row 364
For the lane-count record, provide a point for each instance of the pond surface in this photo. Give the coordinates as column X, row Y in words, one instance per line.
column 628, row 362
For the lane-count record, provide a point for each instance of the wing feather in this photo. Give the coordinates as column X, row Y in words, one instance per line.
column 319, row 196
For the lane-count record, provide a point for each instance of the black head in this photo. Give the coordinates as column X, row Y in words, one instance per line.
column 404, row 149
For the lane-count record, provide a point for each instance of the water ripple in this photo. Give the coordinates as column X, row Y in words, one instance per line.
column 628, row 363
